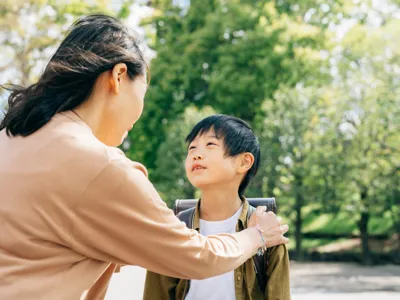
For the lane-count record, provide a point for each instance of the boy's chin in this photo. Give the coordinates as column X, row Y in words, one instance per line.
column 199, row 184
column 203, row 184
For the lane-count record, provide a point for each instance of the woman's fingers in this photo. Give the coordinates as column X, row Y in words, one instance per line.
column 271, row 213
column 252, row 222
column 271, row 226
column 284, row 240
column 261, row 209
column 272, row 229
column 284, row 228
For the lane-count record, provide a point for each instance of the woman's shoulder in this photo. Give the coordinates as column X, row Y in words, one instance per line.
column 94, row 154
column 117, row 156
column 75, row 143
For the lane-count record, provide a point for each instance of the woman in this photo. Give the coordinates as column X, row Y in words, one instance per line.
column 74, row 207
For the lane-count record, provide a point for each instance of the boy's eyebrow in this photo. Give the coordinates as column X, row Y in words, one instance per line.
column 208, row 136
column 212, row 136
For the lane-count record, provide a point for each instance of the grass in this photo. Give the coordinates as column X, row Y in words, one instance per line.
column 343, row 222
column 310, row 243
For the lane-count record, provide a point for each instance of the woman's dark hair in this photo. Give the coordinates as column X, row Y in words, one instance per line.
column 94, row 44
column 238, row 137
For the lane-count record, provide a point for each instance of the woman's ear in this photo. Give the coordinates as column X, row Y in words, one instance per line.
column 117, row 73
column 246, row 161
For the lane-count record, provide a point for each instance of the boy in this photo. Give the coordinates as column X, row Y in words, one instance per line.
column 223, row 156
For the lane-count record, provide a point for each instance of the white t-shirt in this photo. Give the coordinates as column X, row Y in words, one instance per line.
column 222, row 286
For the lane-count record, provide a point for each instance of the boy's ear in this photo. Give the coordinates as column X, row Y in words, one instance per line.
column 246, row 162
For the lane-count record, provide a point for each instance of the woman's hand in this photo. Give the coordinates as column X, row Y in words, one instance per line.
column 270, row 226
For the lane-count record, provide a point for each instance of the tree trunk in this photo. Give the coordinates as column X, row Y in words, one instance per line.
column 299, row 220
column 298, row 226
column 396, row 224
column 363, row 226
column 396, row 237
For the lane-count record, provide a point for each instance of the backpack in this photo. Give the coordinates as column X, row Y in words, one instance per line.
column 260, row 262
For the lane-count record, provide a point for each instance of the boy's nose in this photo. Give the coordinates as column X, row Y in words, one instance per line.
column 197, row 156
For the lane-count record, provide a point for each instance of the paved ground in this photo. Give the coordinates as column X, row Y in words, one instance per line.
column 309, row 281
column 314, row 281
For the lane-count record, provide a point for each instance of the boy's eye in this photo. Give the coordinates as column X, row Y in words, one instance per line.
column 210, row 143
column 191, row 147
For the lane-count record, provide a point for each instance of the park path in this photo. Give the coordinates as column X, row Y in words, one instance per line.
column 309, row 281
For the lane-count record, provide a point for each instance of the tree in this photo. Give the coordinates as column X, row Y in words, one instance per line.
column 291, row 132
column 370, row 83
column 31, row 30
column 352, row 158
column 230, row 55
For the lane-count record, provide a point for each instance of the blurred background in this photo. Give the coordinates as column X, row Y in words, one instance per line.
column 319, row 81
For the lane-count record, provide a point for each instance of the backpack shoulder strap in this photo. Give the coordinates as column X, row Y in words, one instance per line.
column 260, row 261
column 187, row 217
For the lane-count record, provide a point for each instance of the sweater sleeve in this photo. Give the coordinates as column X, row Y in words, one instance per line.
column 120, row 218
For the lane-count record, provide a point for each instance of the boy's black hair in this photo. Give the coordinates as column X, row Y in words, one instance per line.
column 238, row 137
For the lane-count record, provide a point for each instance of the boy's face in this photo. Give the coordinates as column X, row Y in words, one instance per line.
column 206, row 163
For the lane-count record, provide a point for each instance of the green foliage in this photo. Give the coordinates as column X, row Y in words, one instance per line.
column 31, row 30
column 231, row 55
column 369, row 130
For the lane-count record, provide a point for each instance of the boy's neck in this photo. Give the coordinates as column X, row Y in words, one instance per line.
column 219, row 203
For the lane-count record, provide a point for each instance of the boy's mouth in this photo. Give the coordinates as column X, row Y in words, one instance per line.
column 196, row 167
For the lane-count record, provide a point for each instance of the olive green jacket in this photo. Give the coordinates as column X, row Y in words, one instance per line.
column 160, row 287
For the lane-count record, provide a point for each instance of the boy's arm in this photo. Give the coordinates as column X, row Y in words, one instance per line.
column 159, row 287
column 278, row 280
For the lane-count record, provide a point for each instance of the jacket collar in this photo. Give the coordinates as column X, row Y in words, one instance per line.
column 242, row 221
